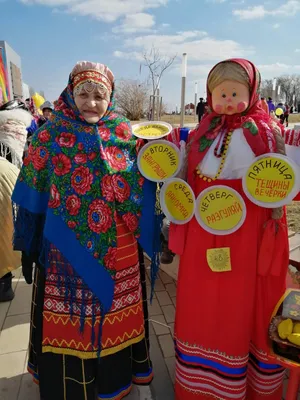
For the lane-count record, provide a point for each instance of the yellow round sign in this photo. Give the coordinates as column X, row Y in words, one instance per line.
column 151, row 130
column 159, row 160
column 278, row 112
column 220, row 210
column 177, row 201
column 271, row 181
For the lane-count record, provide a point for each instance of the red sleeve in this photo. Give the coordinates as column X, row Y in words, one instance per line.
column 297, row 198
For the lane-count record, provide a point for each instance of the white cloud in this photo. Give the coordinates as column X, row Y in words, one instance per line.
column 132, row 55
column 276, row 26
column 133, row 23
column 271, row 70
column 195, row 71
column 297, row 51
column 197, row 44
column 290, row 8
column 104, row 10
column 251, row 12
column 165, row 25
column 216, row 1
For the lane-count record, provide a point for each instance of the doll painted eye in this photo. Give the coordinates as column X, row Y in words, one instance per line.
column 224, row 95
column 233, row 94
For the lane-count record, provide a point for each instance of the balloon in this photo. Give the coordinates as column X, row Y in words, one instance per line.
column 38, row 100
column 279, row 111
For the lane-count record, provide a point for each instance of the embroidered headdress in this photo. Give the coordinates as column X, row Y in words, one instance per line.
column 88, row 76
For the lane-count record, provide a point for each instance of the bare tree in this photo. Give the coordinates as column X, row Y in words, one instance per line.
column 157, row 65
column 266, row 89
column 132, row 99
column 290, row 86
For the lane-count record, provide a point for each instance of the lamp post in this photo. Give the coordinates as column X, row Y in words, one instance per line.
column 183, row 83
column 196, row 95
column 274, row 90
column 158, row 99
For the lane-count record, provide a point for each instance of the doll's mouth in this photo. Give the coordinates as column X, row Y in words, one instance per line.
column 230, row 108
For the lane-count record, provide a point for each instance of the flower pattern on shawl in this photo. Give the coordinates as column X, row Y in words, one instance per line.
column 90, row 173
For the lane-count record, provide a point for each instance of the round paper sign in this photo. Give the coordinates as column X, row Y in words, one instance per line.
column 220, row 210
column 159, row 160
column 177, row 201
column 271, row 181
column 151, row 130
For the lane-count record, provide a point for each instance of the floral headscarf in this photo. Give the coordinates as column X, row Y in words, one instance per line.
column 79, row 175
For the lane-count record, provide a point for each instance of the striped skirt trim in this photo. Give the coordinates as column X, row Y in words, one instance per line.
column 206, row 372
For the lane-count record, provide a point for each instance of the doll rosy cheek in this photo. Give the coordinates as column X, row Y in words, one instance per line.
column 242, row 106
column 218, row 108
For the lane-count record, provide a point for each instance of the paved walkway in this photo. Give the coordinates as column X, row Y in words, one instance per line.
column 16, row 383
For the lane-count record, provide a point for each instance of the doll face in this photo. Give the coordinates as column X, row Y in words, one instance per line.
column 230, row 97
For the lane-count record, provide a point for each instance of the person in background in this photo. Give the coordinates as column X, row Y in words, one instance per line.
column 13, row 122
column 264, row 105
column 271, row 105
column 281, row 106
column 34, row 123
column 47, row 109
column 286, row 115
column 200, row 110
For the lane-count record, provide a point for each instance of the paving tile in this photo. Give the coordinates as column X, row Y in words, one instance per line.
column 16, row 277
column 151, row 329
column 162, row 384
column 170, row 362
column 154, row 308
column 171, row 289
column 172, row 327
column 174, row 300
column 28, row 389
column 21, row 304
column 165, row 277
column 149, row 293
column 171, row 269
column 22, row 283
column 160, row 325
column 3, row 311
column 15, row 334
column 11, row 371
column 159, row 286
column 167, row 345
column 163, row 298
column 169, row 313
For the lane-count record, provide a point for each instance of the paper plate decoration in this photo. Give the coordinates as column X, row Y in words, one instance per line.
column 220, row 210
column 272, row 180
column 177, row 201
column 151, row 130
column 159, row 160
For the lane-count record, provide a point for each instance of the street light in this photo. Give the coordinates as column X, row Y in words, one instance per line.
column 183, row 83
column 196, row 95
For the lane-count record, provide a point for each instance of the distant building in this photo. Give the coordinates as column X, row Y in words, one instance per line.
column 12, row 64
column 11, row 82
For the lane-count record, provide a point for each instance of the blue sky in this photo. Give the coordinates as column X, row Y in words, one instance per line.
column 52, row 35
